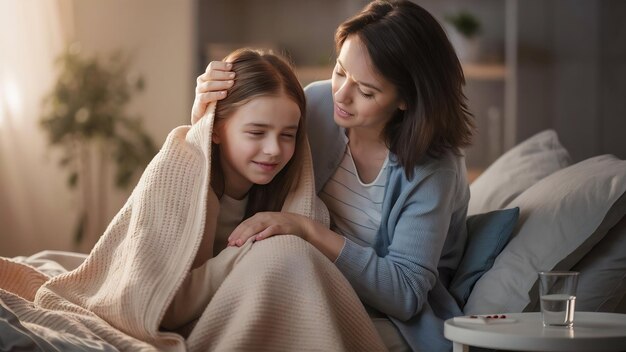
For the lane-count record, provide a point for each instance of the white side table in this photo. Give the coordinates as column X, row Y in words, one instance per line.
column 592, row 331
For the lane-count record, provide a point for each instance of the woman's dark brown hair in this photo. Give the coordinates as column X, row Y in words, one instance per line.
column 260, row 73
column 410, row 49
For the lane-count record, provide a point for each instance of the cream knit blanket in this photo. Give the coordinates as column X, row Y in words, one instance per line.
column 277, row 294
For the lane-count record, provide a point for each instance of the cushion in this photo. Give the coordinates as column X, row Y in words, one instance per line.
column 517, row 170
column 487, row 234
column 602, row 279
column 621, row 306
column 561, row 218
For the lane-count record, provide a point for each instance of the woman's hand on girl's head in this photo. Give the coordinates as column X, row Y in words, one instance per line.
column 267, row 224
column 211, row 86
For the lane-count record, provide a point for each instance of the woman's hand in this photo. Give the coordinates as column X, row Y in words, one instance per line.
column 268, row 224
column 211, row 86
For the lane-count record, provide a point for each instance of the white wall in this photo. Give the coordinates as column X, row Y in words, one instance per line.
column 160, row 36
column 572, row 74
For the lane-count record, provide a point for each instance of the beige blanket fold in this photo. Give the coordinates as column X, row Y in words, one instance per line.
column 277, row 294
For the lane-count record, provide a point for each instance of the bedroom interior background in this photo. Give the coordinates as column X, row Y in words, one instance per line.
column 37, row 211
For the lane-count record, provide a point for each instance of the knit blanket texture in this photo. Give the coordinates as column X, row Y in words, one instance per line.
column 279, row 294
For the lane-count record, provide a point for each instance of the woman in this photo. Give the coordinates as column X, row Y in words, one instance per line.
column 388, row 166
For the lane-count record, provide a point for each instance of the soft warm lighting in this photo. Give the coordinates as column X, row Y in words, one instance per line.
column 2, row 109
column 10, row 100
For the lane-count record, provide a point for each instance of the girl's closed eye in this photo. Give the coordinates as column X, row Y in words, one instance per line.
column 255, row 134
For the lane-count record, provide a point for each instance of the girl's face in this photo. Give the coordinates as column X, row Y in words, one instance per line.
column 363, row 98
column 256, row 142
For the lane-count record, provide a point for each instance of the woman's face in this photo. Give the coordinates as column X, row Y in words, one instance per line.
column 363, row 98
column 256, row 142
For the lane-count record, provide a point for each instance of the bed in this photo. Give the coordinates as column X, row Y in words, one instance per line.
column 531, row 210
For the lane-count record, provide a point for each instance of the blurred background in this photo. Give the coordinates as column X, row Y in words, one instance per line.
column 89, row 89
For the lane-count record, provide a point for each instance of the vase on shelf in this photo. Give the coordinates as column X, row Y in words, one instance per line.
column 467, row 49
column 463, row 29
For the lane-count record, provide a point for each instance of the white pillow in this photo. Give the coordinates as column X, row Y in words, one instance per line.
column 517, row 170
column 561, row 218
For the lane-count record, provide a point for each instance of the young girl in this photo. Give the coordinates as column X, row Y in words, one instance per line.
column 258, row 148
column 258, row 143
column 386, row 135
column 161, row 277
column 260, row 163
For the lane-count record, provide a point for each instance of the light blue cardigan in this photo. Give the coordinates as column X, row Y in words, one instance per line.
column 420, row 240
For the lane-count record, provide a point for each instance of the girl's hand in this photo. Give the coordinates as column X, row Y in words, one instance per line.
column 211, row 86
column 267, row 224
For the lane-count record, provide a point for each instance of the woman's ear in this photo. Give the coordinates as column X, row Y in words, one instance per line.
column 402, row 106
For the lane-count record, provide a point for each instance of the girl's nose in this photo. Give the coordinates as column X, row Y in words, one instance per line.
column 271, row 146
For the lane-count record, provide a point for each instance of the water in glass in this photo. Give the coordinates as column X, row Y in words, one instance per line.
column 558, row 309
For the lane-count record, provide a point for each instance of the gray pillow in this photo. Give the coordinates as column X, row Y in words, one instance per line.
column 621, row 306
column 561, row 218
column 602, row 279
column 517, row 170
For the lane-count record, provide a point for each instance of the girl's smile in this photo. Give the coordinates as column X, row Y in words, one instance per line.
column 256, row 142
column 266, row 166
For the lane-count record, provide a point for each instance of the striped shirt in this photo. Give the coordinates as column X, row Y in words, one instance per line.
column 355, row 207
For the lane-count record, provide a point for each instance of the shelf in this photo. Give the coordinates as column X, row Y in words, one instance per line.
column 308, row 74
column 487, row 72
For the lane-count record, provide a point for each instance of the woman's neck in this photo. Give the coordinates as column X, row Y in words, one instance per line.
column 369, row 152
column 367, row 141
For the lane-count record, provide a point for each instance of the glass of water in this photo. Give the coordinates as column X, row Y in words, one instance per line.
column 557, row 292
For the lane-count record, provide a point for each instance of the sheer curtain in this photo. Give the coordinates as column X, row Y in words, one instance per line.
column 36, row 210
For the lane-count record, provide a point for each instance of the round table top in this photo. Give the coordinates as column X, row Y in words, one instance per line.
column 592, row 331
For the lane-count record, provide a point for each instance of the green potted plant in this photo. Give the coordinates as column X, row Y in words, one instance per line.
column 85, row 115
column 464, row 34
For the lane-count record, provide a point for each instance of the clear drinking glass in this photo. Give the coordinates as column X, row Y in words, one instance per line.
column 557, row 293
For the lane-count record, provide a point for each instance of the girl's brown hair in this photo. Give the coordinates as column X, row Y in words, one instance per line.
column 410, row 49
column 259, row 73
